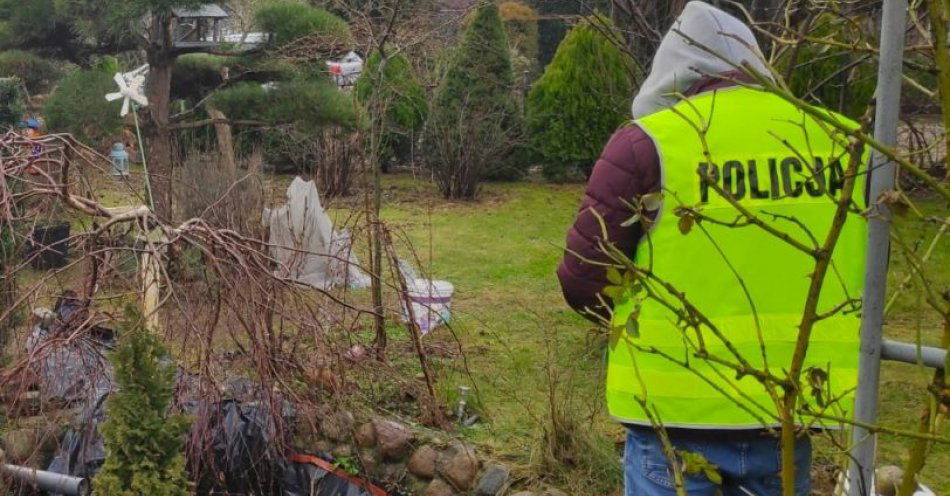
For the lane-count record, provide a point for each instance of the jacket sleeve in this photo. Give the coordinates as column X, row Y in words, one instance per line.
column 628, row 167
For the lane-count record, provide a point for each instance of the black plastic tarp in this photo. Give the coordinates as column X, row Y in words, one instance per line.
column 307, row 475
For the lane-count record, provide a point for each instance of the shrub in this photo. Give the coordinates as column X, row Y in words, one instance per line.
column 579, row 101
column 26, row 23
column 402, row 98
column 339, row 158
column 835, row 78
column 11, row 102
column 37, row 73
column 307, row 104
column 474, row 121
column 78, row 106
column 143, row 442
column 288, row 20
column 219, row 196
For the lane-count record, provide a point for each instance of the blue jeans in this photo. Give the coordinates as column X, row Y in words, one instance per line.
column 749, row 463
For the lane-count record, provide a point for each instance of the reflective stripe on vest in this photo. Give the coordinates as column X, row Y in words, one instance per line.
column 781, row 165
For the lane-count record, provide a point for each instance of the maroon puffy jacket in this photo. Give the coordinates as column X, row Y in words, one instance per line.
column 628, row 167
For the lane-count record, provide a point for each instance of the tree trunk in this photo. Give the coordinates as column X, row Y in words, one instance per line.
column 160, row 157
column 225, row 143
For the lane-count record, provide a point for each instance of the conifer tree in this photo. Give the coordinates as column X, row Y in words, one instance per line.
column 474, row 121
column 581, row 98
column 402, row 98
column 143, row 442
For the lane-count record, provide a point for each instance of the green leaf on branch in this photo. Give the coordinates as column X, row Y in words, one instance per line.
column 696, row 464
column 614, row 276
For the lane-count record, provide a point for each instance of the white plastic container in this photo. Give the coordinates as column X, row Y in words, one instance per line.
column 431, row 303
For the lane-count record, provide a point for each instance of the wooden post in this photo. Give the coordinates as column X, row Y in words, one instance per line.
column 225, row 142
column 151, row 274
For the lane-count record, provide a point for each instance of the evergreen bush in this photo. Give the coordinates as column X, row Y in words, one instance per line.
column 398, row 93
column 581, row 98
column 78, row 106
column 308, row 104
column 11, row 102
column 143, row 441
column 37, row 73
column 289, row 20
column 474, row 123
column 839, row 79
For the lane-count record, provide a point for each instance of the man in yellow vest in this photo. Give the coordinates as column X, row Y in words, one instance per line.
column 694, row 123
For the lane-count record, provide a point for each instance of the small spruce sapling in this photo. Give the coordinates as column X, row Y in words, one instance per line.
column 143, row 441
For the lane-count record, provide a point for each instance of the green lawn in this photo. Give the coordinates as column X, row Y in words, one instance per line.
column 524, row 346
column 501, row 253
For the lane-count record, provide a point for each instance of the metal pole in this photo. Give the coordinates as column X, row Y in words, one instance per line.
column 927, row 356
column 875, row 276
column 48, row 481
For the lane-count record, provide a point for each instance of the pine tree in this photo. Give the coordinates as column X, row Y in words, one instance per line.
column 400, row 94
column 474, row 121
column 143, row 442
column 580, row 100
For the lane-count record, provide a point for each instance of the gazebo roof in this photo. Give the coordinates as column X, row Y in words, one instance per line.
column 211, row 10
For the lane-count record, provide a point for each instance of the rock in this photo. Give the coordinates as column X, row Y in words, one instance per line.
column 493, row 481
column 20, row 444
column 459, row 466
column 415, row 485
column 392, row 474
column 423, row 460
column 439, row 487
column 365, row 435
column 393, row 438
column 337, row 426
column 31, row 438
column 554, row 492
column 370, row 462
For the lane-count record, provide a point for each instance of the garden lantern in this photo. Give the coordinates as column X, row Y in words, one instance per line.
column 120, row 160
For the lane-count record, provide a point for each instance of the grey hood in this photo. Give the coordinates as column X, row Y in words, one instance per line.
column 679, row 62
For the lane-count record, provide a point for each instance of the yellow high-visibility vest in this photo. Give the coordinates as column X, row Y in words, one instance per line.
column 784, row 167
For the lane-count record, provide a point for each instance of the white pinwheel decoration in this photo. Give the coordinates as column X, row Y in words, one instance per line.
column 131, row 85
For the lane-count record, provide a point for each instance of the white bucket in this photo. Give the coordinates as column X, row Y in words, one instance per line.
column 431, row 302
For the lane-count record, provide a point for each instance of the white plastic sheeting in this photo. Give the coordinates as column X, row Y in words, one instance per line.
column 344, row 266
column 305, row 246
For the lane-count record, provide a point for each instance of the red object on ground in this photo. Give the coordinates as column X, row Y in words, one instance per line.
column 336, row 69
column 371, row 488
